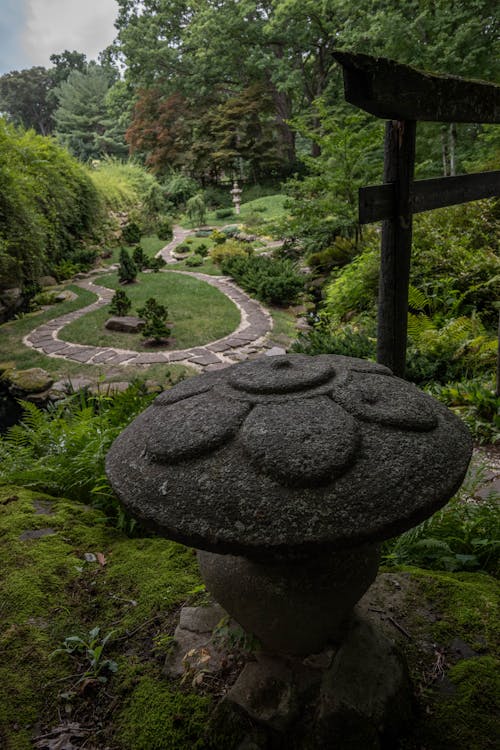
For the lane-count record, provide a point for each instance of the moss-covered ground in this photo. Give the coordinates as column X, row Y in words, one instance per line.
column 65, row 572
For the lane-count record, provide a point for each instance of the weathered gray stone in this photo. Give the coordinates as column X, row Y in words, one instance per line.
column 289, row 456
column 34, row 380
column 311, row 600
column 125, row 324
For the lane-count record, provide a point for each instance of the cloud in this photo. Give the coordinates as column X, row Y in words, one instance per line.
column 51, row 26
column 12, row 21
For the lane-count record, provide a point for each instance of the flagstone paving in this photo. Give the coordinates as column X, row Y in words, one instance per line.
column 248, row 340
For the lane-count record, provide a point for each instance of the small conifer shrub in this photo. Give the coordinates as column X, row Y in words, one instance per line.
column 127, row 271
column 155, row 316
column 121, row 303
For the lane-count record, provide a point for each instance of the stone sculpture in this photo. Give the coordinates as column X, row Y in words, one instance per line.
column 286, row 473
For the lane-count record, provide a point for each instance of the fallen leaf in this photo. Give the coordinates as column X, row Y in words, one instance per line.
column 101, row 559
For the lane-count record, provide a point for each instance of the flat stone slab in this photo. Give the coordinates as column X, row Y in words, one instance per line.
column 284, row 456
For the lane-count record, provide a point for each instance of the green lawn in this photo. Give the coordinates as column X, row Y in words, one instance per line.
column 151, row 245
column 198, row 312
column 12, row 350
column 258, row 212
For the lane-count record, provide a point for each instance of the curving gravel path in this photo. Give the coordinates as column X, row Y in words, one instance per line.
column 246, row 341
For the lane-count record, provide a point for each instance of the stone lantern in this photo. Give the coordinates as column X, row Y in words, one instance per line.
column 236, row 195
column 286, row 473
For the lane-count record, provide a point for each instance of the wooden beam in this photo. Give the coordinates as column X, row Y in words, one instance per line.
column 393, row 91
column 376, row 202
column 395, row 255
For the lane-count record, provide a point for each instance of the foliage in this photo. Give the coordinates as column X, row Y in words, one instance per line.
column 131, row 233
column 156, row 264
column 47, row 205
column 196, row 209
column 164, row 228
column 120, row 303
column 354, row 288
column 24, row 98
column 338, row 254
column 464, row 535
column 194, row 260
column 218, row 238
column 140, row 258
column 229, row 249
column 155, row 316
column 123, row 186
column 475, row 401
column 273, row 281
column 83, row 122
column 348, row 341
column 179, row 188
column 89, row 648
column 127, row 271
column 62, row 450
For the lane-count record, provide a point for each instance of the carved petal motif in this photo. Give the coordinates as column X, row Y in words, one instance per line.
column 388, row 401
column 303, row 442
column 193, row 426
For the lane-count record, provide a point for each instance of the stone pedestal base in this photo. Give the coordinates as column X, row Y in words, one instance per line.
column 292, row 607
column 355, row 696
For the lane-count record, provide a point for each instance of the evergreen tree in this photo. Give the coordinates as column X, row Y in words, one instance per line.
column 83, row 122
column 155, row 316
column 121, row 303
column 127, row 271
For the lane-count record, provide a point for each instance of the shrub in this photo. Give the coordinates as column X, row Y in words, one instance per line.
column 139, row 257
column 155, row 264
column 48, row 205
column 338, row 254
column 230, row 249
column 65, row 270
column 178, row 188
column 183, row 248
column 164, row 228
column 194, row 260
column 202, row 250
column 224, row 213
column 477, row 404
column 155, row 316
column 348, row 342
column 127, row 271
column 218, row 238
column 131, row 233
column 196, row 209
column 274, row 281
column 120, row 303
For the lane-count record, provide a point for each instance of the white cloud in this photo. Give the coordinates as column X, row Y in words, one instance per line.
column 55, row 25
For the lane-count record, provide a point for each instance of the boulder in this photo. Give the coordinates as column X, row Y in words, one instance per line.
column 22, row 383
column 47, row 281
column 125, row 324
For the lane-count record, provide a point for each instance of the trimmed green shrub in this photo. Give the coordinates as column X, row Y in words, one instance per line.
column 224, row 213
column 131, row 233
column 230, row 249
column 156, row 264
column 127, row 271
column 155, row 316
column 140, row 258
column 202, row 250
column 218, row 238
column 194, row 260
column 183, row 248
column 121, row 303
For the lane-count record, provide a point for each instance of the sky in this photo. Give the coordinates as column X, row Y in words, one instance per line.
column 32, row 30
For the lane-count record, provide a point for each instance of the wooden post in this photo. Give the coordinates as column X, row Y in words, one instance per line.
column 399, row 161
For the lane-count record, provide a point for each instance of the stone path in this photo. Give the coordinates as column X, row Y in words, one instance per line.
column 246, row 341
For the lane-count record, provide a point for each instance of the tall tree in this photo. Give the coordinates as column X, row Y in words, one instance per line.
column 24, row 98
column 82, row 119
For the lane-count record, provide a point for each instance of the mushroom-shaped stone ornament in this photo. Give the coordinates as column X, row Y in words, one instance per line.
column 291, row 469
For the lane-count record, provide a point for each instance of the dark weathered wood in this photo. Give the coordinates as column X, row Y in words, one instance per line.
column 399, row 92
column 399, row 163
column 377, row 202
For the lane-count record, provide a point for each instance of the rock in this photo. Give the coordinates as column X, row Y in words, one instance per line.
column 11, row 300
column 268, row 696
column 365, row 698
column 23, row 382
column 47, row 281
column 125, row 324
column 275, row 351
column 65, row 296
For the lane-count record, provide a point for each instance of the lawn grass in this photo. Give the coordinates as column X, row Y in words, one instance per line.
column 22, row 357
column 258, row 212
column 199, row 313
column 208, row 267
column 150, row 244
